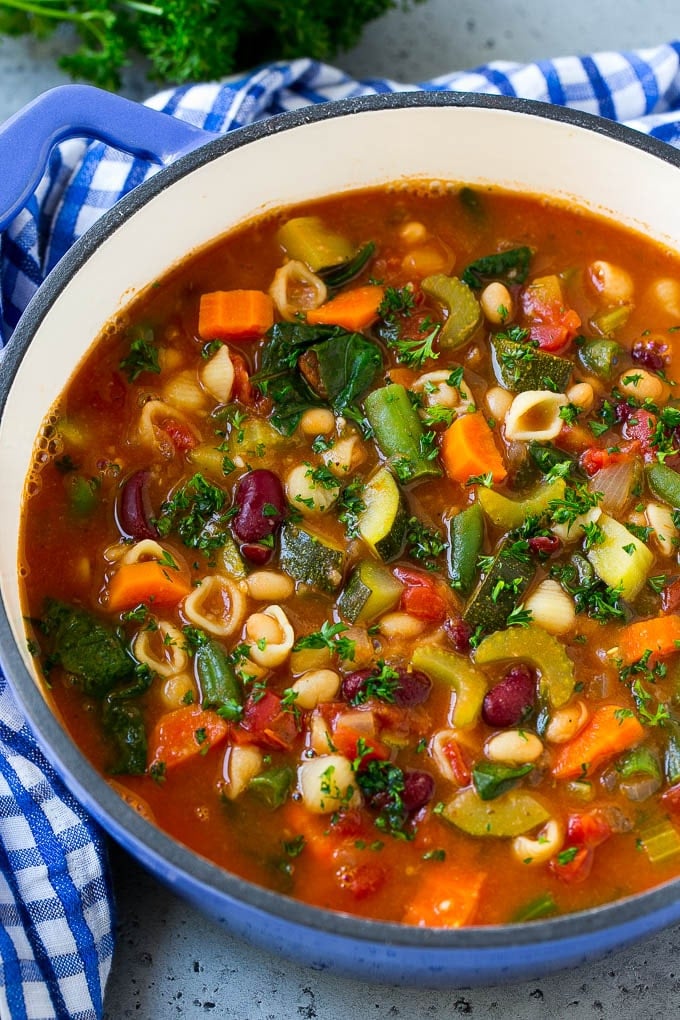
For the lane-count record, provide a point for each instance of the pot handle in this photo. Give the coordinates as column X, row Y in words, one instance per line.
column 75, row 111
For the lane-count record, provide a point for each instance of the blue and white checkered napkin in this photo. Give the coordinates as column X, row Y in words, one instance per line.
column 56, row 929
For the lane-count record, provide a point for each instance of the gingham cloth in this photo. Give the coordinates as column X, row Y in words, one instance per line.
column 56, row 918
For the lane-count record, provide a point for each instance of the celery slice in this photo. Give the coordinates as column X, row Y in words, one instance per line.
column 512, row 513
column 661, row 840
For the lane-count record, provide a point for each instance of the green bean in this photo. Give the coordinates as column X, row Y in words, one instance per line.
column 220, row 687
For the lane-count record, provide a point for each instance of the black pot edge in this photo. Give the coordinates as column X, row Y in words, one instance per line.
column 109, row 808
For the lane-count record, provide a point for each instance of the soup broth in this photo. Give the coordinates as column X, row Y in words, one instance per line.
column 350, row 556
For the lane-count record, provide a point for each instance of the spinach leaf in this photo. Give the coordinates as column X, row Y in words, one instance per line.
column 339, row 276
column 491, row 778
column 346, row 363
column 124, row 725
column 91, row 650
column 508, row 266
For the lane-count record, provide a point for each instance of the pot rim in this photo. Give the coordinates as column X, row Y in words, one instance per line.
column 90, row 788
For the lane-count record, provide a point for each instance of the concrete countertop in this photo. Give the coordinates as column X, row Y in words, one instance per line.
column 172, row 962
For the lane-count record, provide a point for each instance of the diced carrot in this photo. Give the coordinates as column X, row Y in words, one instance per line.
column 235, row 314
column 468, row 450
column 610, row 730
column 447, row 897
column 351, row 743
column 184, row 733
column 146, row 581
column 351, row 309
column 660, row 636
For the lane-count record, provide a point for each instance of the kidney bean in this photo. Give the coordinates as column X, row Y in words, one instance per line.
column 545, row 545
column 418, row 789
column 405, row 689
column 256, row 553
column 509, row 702
column 649, row 354
column 134, row 513
column 354, row 683
column 412, row 688
column 261, row 505
column 459, row 633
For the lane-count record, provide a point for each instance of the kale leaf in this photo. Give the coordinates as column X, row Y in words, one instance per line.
column 92, row 651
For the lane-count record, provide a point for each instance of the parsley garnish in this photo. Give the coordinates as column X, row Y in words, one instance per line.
column 142, row 356
column 423, row 543
column 328, row 636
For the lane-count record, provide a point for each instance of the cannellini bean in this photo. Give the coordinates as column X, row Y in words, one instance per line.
column 551, row 607
column 327, row 783
column 497, row 304
column 413, row 232
column 316, row 686
column 317, row 421
column 400, row 625
column 666, row 291
column 539, row 850
column 306, row 494
column 178, row 690
column 242, row 762
column 613, row 283
column 217, row 375
column 515, row 746
column 498, row 402
column 665, row 533
column 581, row 395
column 270, row 585
column 270, row 635
column 295, row 288
column 566, row 722
column 345, row 456
column 535, row 414
column 643, row 385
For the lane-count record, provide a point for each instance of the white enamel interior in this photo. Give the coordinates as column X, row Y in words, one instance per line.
column 473, row 145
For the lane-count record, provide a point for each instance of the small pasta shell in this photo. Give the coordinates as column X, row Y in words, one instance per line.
column 217, row 375
column 146, row 549
column 162, row 649
column 551, row 607
column 535, row 415
column 217, row 605
column 547, row 843
column 327, row 783
column 271, row 636
column 442, row 759
column 150, row 432
column 295, row 288
column 182, row 390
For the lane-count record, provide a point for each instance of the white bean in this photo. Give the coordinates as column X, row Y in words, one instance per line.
column 566, row 722
column 327, row 783
column 400, row 625
column 270, row 586
column 642, row 385
column 316, row 686
column 515, row 746
column 317, row 421
column 498, row 401
column 613, row 283
column 581, row 395
column 497, row 303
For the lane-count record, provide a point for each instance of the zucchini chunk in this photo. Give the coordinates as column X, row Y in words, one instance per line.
column 382, row 524
column 371, row 591
column 621, row 560
column 521, row 366
column 500, row 590
column 311, row 560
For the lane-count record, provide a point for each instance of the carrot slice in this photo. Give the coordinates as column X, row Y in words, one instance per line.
column 468, row 449
column 147, row 581
column 660, row 637
column 235, row 314
column 184, row 733
column 447, row 897
column 352, row 309
column 610, row 730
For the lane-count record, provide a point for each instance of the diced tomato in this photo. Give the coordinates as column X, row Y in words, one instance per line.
column 243, row 389
column 267, row 723
column 670, row 597
column 361, row 880
column 589, row 828
column 347, row 741
column 575, row 868
column 641, row 425
column 552, row 324
column 596, row 458
column 455, row 758
column 420, row 597
column 181, row 435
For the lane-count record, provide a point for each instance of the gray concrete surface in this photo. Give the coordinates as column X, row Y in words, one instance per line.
column 172, row 962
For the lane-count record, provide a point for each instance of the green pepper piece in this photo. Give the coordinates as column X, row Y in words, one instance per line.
column 466, row 535
column 463, row 310
column 468, row 682
column 512, row 513
column 511, row 814
column 601, row 357
column 273, row 786
column 399, row 433
column 534, row 645
column 493, row 778
column 664, row 483
column 220, row 687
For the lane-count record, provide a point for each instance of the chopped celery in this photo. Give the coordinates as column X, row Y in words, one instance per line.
column 512, row 513
column 463, row 310
column 543, row 906
column 468, row 682
column 466, row 535
column 511, row 814
column 639, row 761
column 620, row 559
column 535, row 646
column 609, row 321
column 307, row 239
column 661, row 840
column 399, row 433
